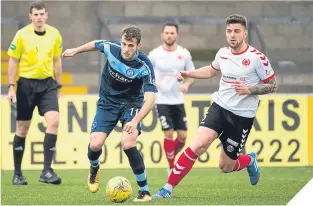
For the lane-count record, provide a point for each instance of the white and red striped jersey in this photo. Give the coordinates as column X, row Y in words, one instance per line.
column 249, row 67
column 166, row 66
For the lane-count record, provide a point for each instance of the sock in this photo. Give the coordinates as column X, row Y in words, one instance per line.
column 168, row 187
column 49, row 149
column 169, row 148
column 182, row 167
column 18, row 152
column 178, row 145
column 138, row 167
column 242, row 162
column 94, row 157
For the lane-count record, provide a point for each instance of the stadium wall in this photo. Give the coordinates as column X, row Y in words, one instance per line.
column 282, row 134
column 78, row 22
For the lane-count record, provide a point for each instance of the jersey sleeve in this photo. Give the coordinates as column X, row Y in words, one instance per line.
column 189, row 63
column 215, row 64
column 58, row 46
column 16, row 47
column 148, row 78
column 102, row 46
column 264, row 69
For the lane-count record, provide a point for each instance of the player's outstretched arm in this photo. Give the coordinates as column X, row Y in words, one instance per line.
column 90, row 46
column 201, row 73
column 264, row 88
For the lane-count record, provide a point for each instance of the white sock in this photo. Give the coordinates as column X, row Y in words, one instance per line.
column 168, row 187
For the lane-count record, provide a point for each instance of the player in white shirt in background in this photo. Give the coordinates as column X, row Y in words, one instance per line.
column 169, row 59
column 245, row 74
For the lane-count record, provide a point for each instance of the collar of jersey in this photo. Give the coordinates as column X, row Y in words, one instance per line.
column 132, row 58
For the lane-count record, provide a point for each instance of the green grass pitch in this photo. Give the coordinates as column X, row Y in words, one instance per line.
column 201, row 186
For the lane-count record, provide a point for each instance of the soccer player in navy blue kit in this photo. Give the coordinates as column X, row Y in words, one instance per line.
column 127, row 77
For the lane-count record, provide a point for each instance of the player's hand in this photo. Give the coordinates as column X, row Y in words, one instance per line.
column 69, row 52
column 11, row 95
column 241, row 89
column 182, row 75
column 130, row 127
column 184, row 88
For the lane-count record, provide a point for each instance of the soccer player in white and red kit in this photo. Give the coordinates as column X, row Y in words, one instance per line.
column 169, row 59
column 245, row 74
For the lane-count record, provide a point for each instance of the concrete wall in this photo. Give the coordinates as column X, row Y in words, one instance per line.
column 78, row 23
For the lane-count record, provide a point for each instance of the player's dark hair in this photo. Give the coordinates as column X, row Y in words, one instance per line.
column 37, row 5
column 170, row 24
column 237, row 19
column 132, row 31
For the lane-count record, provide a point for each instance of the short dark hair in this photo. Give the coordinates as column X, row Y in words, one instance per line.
column 132, row 31
column 170, row 24
column 237, row 19
column 37, row 5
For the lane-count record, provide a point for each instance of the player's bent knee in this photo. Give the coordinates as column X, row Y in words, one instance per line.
column 97, row 140
column 128, row 143
column 22, row 128
column 182, row 138
column 182, row 135
column 168, row 134
column 129, row 140
column 198, row 147
column 53, row 119
column 128, row 146
column 226, row 168
column 54, row 123
column 95, row 145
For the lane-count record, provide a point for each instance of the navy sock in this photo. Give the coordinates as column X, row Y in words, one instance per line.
column 94, row 157
column 138, row 167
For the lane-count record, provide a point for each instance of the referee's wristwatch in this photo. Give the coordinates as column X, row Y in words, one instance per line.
column 59, row 86
column 11, row 85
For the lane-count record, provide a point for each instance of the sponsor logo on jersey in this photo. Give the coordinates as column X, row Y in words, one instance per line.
column 119, row 77
column 230, row 79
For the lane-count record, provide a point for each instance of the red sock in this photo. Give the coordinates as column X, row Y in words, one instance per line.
column 169, row 148
column 242, row 162
column 178, row 145
column 182, row 167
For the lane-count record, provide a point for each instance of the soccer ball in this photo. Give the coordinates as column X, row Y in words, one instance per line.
column 118, row 189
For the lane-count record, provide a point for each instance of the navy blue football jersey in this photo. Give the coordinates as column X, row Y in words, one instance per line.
column 124, row 80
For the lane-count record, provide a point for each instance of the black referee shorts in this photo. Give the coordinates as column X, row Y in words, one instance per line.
column 36, row 92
